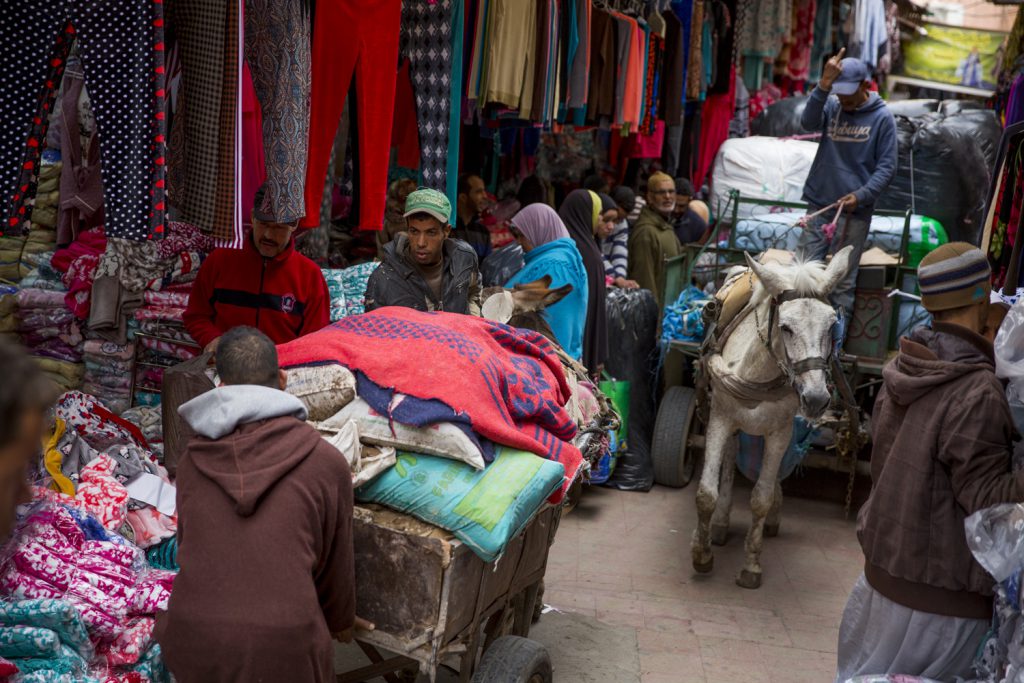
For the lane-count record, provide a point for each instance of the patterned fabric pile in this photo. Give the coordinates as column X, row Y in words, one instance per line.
column 81, row 602
column 108, row 370
column 93, row 457
column 49, row 329
column 348, row 289
column 18, row 253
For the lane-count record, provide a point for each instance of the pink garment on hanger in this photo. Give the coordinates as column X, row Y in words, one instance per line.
column 253, row 162
column 715, row 118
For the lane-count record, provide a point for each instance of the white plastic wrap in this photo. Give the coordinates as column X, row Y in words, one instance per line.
column 995, row 536
column 1009, row 348
column 761, row 168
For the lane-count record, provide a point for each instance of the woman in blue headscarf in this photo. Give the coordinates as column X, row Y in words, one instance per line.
column 549, row 250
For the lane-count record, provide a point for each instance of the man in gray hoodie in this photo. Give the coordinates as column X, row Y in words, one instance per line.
column 856, row 161
column 265, row 531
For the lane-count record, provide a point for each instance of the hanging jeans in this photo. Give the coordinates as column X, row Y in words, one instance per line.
column 277, row 51
column 202, row 150
column 121, row 45
column 428, row 46
column 370, row 54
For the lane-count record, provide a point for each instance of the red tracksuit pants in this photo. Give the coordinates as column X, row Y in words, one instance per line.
column 353, row 38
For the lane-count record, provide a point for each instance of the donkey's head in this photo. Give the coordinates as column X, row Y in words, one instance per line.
column 522, row 305
column 802, row 321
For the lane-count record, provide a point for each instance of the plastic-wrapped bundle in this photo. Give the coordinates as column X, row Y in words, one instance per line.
column 633, row 358
column 782, row 119
column 943, row 173
column 777, row 229
column 501, row 264
column 1009, row 350
column 684, row 320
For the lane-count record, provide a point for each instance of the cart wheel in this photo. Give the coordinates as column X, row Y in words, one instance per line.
column 512, row 659
column 677, row 438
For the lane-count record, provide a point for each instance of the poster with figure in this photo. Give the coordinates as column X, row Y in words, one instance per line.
column 954, row 55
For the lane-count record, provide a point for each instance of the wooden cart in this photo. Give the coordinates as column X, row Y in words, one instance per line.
column 872, row 336
column 436, row 605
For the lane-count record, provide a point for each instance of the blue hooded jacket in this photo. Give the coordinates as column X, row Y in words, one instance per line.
column 562, row 261
column 858, row 151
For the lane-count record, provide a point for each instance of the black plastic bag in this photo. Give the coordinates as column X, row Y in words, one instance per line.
column 501, row 264
column 943, row 171
column 781, row 119
column 633, row 357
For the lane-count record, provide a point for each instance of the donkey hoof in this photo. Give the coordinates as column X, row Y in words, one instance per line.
column 771, row 530
column 719, row 534
column 704, row 567
column 751, row 580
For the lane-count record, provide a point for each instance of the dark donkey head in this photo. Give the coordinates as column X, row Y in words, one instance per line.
column 521, row 306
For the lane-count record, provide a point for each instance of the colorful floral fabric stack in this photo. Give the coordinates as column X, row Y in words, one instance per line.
column 49, row 329
column 81, row 601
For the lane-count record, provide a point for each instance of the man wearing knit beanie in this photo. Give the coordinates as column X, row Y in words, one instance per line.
column 942, row 438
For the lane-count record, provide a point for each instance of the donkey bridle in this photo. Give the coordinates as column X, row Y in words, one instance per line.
column 790, row 370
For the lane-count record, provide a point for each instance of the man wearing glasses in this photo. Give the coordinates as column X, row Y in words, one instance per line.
column 653, row 238
column 266, row 284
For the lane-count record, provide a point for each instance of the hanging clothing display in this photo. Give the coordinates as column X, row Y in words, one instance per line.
column 426, row 42
column 122, row 50
column 509, row 59
column 202, row 149
column 277, row 55
column 765, row 23
column 253, row 161
column 370, row 57
column 1004, row 221
column 801, row 43
column 603, row 61
column 822, row 46
column 81, row 184
column 869, row 31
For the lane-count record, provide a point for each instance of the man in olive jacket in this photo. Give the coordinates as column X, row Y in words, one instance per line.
column 652, row 239
column 942, row 435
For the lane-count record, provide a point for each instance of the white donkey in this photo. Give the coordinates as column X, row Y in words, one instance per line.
column 770, row 363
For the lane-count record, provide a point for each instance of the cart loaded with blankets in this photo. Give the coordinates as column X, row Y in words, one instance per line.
column 464, row 437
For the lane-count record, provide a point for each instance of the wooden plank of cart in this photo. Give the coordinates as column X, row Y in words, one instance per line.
column 436, row 605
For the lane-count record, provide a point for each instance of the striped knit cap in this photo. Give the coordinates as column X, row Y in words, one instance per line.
column 953, row 276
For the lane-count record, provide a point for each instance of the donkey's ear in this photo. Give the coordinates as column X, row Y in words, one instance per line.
column 767, row 276
column 837, row 269
column 543, row 283
column 499, row 307
column 555, row 295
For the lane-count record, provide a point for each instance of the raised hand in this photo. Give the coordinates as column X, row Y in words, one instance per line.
column 833, row 67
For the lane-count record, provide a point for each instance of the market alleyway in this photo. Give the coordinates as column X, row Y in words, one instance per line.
column 628, row 608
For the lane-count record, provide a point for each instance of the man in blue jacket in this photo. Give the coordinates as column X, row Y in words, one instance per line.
column 856, row 161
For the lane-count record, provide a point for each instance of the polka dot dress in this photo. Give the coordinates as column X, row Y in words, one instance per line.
column 121, row 44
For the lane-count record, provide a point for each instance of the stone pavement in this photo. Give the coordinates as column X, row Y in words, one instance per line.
column 620, row 575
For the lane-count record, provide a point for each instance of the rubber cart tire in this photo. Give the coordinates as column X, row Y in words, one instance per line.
column 511, row 659
column 674, row 459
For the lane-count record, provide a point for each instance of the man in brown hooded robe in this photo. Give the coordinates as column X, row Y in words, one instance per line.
column 265, row 532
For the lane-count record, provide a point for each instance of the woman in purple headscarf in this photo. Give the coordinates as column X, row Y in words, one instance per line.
column 549, row 250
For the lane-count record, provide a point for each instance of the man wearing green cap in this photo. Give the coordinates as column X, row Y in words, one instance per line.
column 423, row 267
column 942, row 437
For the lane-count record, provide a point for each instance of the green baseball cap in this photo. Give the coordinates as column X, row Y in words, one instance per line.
column 430, row 202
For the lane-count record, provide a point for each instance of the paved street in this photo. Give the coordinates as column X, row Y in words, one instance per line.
column 620, row 574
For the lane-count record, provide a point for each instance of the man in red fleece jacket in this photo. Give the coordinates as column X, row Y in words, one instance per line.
column 266, row 284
